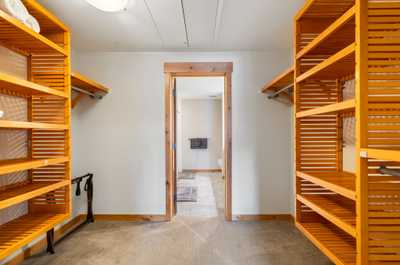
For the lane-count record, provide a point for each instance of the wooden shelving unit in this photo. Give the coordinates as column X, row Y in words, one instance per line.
column 282, row 81
column 337, row 245
column 47, row 92
column 23, row 230
column 31, row 125
column 343, row 183
column 86, row 86
column 22, row 193
column 331, row 207
column 343, row 106
column 353, row 218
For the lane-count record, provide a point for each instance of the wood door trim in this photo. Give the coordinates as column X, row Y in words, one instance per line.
column 171, row 71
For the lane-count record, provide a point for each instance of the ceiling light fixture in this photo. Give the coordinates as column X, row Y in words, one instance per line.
column 109, row 5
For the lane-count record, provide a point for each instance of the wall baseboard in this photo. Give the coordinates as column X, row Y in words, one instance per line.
column 211, row 170
column 131, row 217
column 41, row 245
column 263, row 217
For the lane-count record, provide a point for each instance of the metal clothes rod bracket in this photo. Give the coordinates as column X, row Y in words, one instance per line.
column 276, row 93
column 92, row 95
column 387, row 171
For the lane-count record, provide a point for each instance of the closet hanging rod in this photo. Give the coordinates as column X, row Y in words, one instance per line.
column 93, row 95
column 276, row 93
column 387, row 171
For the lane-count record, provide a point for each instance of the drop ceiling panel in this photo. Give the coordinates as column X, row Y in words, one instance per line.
column 200, row 20
column 169, row 20
column 151, row 25
column 257, row 24
column 94, row 30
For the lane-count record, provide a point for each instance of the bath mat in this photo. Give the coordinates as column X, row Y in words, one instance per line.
column 186, row 175
column 187, row 194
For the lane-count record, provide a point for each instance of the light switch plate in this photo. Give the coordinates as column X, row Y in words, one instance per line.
column 1, row 114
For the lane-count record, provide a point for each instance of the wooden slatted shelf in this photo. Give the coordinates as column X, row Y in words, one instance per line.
column 323, row 9
column 381, row 154
column 15, row 165
column 347, row 105
column 338, row 65
column 343, row 183
column 21, row 231
column 332, row 36
column 334, row 243
column 28, row 191
column 24, row 38
column 88, row 85
column 24, row 87
column 283, row 80
column 4, row 124
column 334, row 209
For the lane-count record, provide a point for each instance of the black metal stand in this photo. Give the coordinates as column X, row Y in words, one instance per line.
column 89, row 192
column 50, row 241
column 89, row 217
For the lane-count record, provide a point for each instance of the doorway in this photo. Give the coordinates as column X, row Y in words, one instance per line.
column 199, row 146
column 172, row 72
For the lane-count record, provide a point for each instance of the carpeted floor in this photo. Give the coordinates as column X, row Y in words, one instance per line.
column 185, row 241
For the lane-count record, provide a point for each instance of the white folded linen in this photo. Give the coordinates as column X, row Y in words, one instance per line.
column 15, row 8
column 32, row 23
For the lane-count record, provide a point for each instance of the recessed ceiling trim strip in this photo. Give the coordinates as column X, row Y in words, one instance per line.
column 184, row 22
column 218, row 18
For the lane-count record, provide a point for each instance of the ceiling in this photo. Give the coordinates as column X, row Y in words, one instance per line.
column 200, row 87
column 159, row 25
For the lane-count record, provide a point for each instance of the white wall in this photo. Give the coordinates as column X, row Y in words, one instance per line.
column 201, row 118
column 121, row 138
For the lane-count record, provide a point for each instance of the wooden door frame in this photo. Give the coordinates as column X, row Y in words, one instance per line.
column 205, row 69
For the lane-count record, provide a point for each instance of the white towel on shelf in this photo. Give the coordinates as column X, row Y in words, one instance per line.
column 15, row 8
column 32, row 23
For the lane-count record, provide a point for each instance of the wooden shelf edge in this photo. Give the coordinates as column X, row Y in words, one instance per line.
column 29, row 237
column 32, row 194
column 336, row 25
column 21, row 83
column 82, row 82
column 10, row 166
column 346, row 105
column 5, row 124
column 280, row 77
column 348, row 228
column 345, row 192
column 22, row 27
column 382, row 154
column 321, row 246
column 328, row 62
